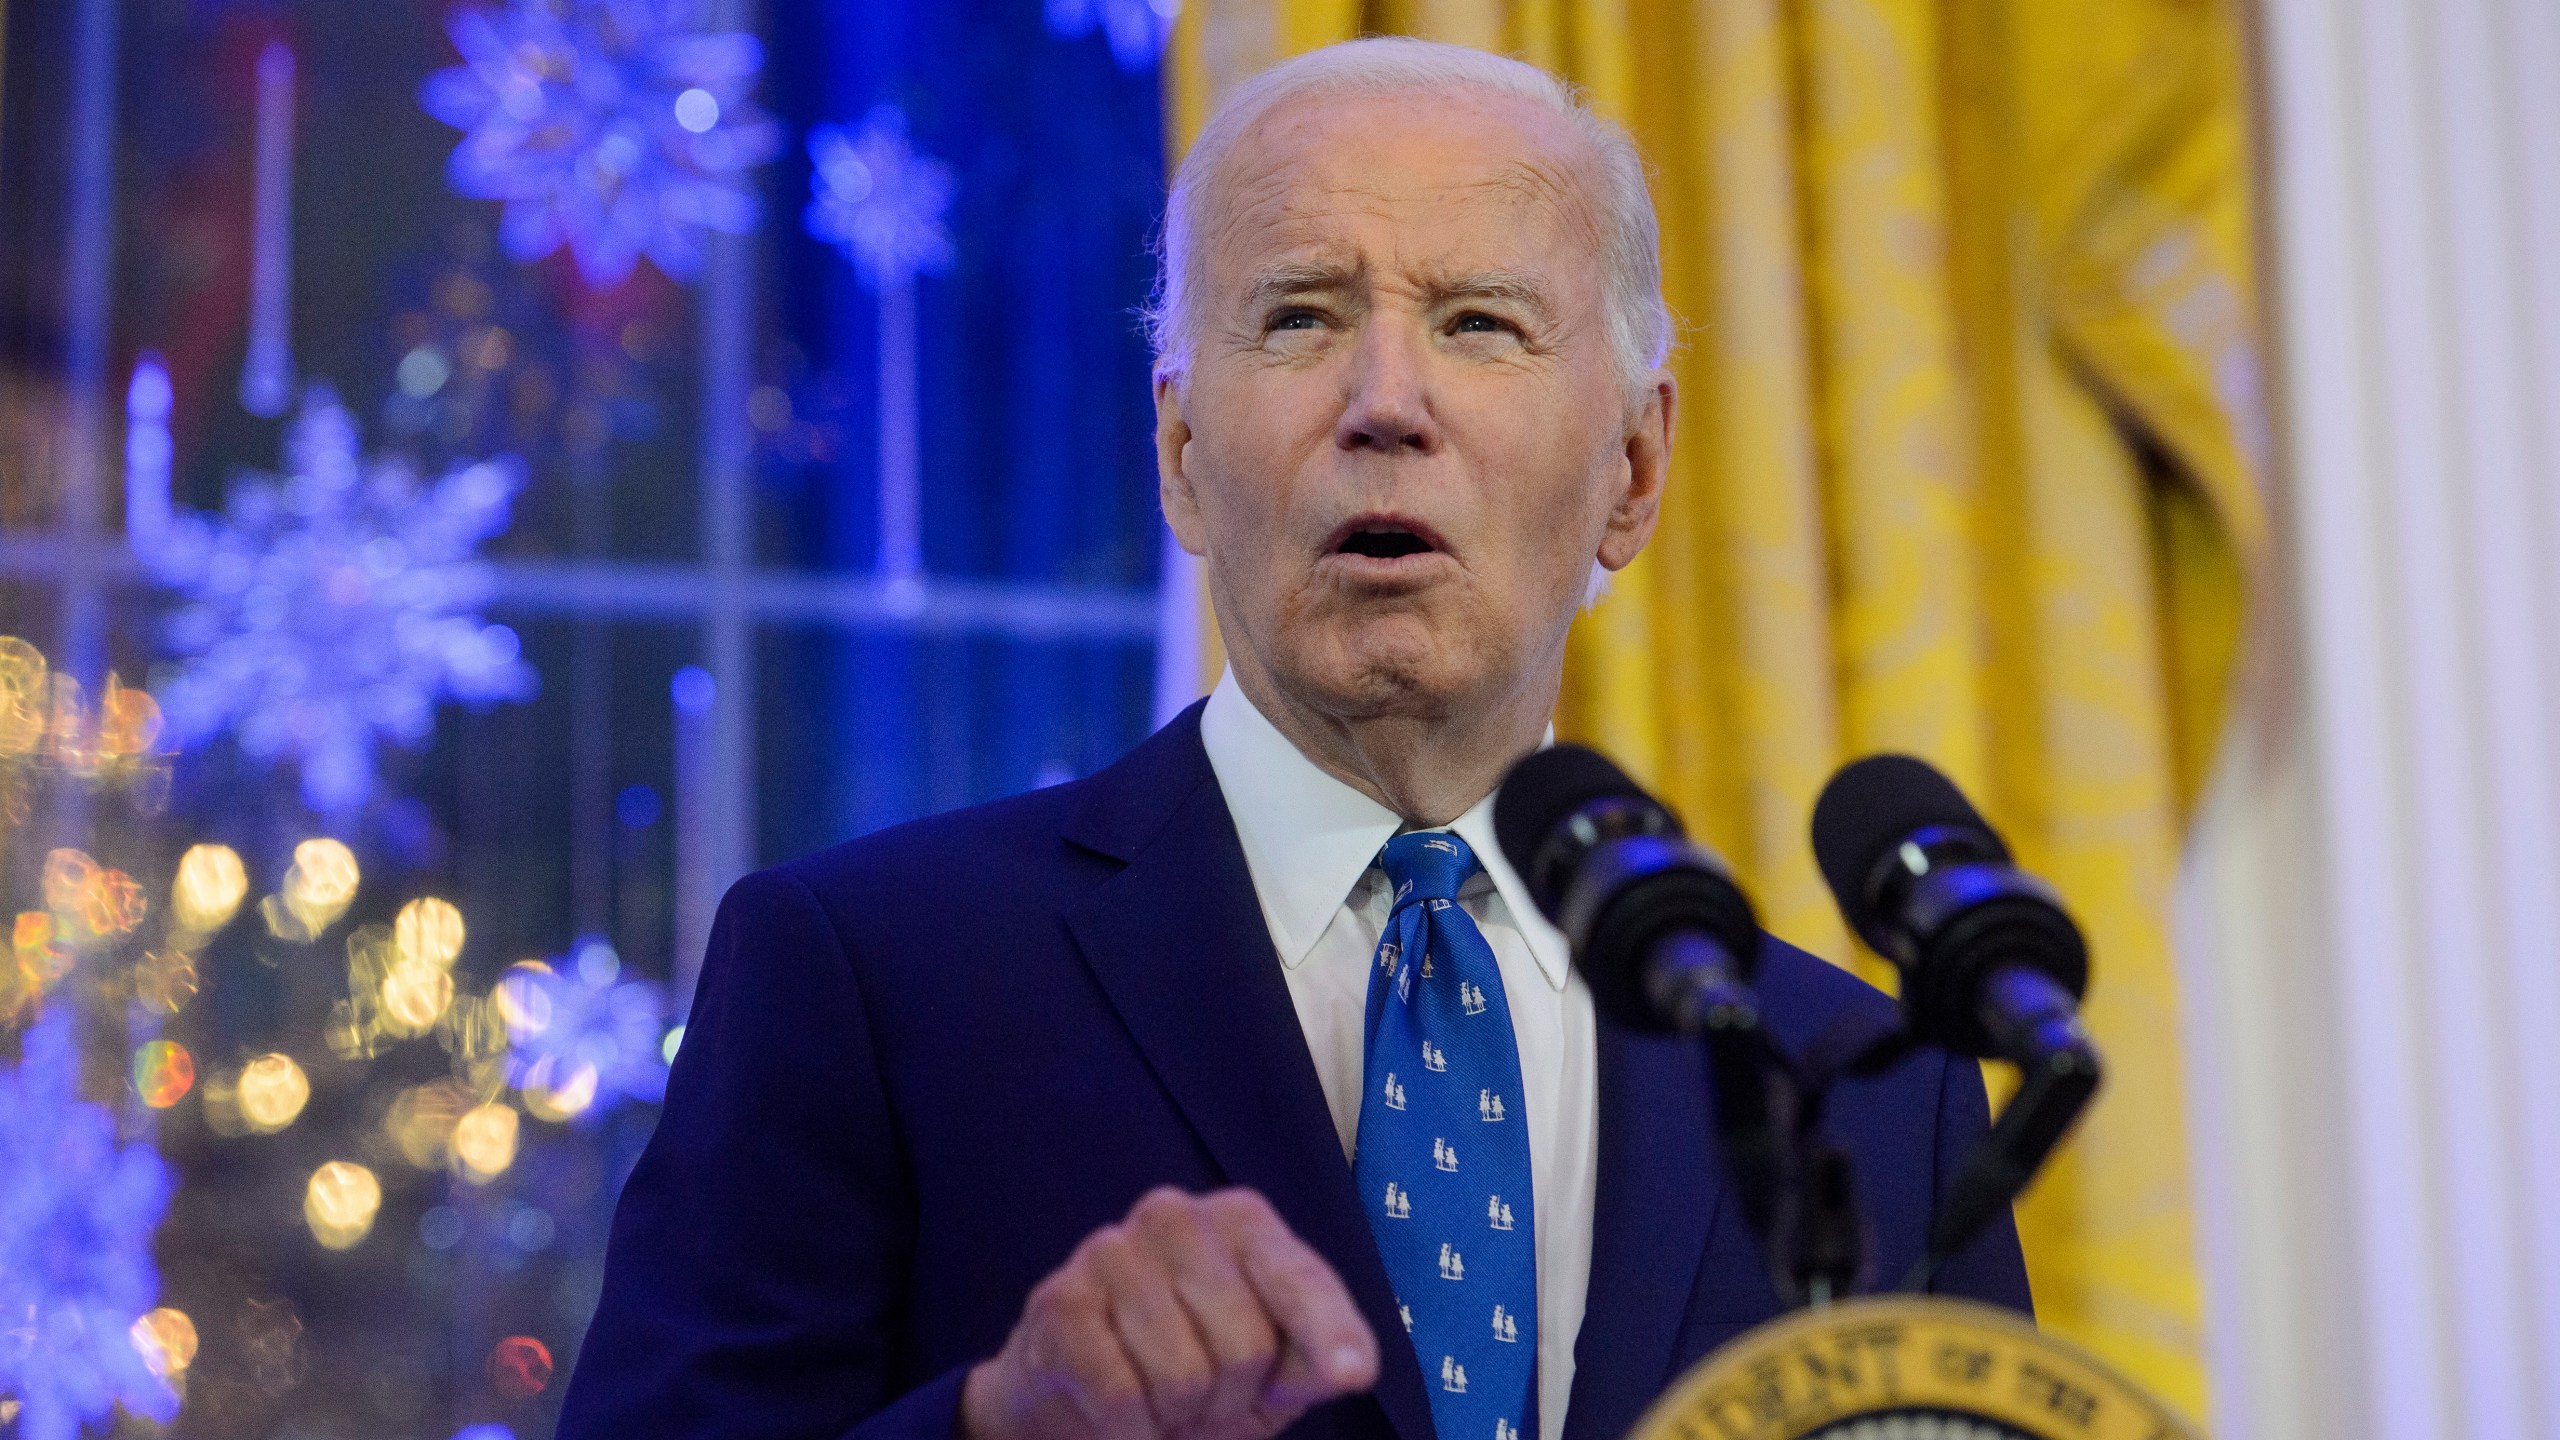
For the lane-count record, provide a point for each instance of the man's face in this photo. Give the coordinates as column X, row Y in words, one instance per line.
column 1402, row 441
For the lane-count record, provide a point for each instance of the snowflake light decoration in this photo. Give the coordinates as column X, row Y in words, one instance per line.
column 579, row 1038
column 334, row 605
column 873, row 196
column 618, row 128
column 77, row 1212
column 1137, row 29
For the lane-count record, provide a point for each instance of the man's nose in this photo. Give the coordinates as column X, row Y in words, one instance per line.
column 1389, row 407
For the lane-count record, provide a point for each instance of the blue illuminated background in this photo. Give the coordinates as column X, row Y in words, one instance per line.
column 685, row 559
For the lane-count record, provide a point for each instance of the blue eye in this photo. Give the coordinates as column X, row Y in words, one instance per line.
column 1297, row 320
column 1476, row 322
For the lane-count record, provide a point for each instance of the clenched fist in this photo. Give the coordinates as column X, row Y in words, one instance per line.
column 1200, row 1317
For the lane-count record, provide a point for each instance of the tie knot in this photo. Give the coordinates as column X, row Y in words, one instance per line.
column 1426, row 865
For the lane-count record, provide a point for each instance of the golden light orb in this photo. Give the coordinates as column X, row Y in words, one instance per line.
column 421, row 1122
column 33, row 930
column 67, row 874
column 163, row 1072
column 557, row 1088
column 484, row 1142
column 429, row 931
column 320, row 883
column 112, row 903
column 24, row 689
column 129, row 721
column 33, row 964
column 414, row 997
column 210, row 886
column 271, row 1093
column 166, row 1340
column 341, row 1203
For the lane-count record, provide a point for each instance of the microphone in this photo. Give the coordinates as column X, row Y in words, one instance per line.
column 1660, row 931
column 1992, row 966
column 1666, row 939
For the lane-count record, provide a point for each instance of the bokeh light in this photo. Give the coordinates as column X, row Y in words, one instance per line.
column 421, row 1121
column 414, row 997
column 165, row 980
column 428, row 931
column 580, row 1038
column 524, row 999
column 341, row 1202
column 398, row 984
column 33, row 963
column 23, row 688
column 475, row 1035
column 558, row 1088
column 163, row 1073
column 129, row 721
column 316, row 889
column 67, row 739
column 520, row 1366
column 67, row 872
column 597, row 963
column 484, row 1142
column 210, row 885
column 166, row 1340
column 98, row 902
column 272, row 1091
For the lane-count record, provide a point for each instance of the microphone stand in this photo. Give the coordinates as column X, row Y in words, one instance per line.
column 2039, row 1031
column 1799, row 1190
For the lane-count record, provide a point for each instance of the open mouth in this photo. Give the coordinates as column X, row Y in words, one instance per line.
column 1383, row 537
column 1385, row 544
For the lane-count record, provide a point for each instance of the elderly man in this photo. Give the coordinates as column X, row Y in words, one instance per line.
column 1239, row 1088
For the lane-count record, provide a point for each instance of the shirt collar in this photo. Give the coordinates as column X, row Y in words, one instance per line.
column 1308, row 837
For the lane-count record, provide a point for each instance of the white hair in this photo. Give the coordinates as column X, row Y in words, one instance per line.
column 1638, row 321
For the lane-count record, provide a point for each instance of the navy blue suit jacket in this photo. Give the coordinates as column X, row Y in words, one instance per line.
column 922, row 1066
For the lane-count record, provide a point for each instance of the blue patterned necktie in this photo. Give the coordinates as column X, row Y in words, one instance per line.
column 1443, row 1153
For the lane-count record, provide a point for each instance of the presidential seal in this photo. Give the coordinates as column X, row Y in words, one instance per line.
column 1905, row 1367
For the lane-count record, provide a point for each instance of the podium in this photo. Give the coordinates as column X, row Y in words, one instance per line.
column 1905, row 1367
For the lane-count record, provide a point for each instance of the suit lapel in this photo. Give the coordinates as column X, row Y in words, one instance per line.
column 1660, row 1194
column 1178, row 942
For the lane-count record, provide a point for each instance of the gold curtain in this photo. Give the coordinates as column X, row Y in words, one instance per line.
column 1967, row 466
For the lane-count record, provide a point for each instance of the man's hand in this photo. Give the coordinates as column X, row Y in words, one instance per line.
column 1200, row 1317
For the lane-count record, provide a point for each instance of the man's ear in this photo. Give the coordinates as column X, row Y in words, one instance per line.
column 1647, row 470
column 1173, row 480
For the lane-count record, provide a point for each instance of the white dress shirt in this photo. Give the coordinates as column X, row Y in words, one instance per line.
column 1311, row 842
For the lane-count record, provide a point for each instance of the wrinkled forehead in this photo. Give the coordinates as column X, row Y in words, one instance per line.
column 1425, row 182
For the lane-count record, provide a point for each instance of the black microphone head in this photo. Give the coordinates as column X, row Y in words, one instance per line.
column 1870, row 808
column 1611, row 867
column 1921, row 878
column 1540, row 793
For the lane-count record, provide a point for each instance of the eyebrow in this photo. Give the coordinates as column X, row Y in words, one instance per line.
column 1282, row 281
column 1508, row 286
column 1513, row 286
